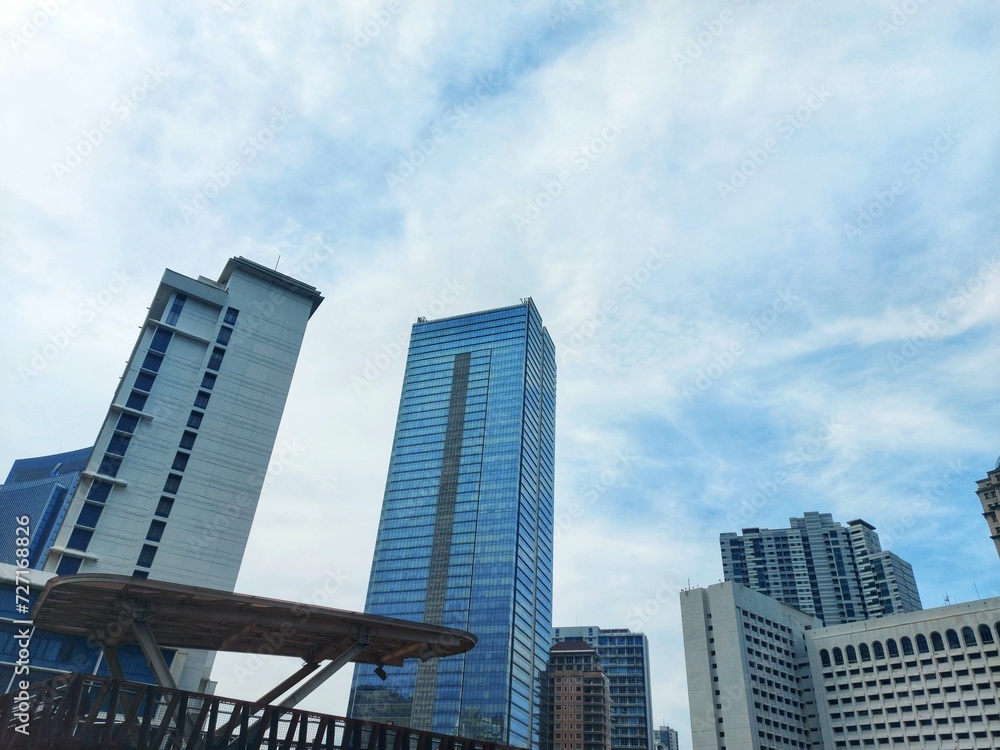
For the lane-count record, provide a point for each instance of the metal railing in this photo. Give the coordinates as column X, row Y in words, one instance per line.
column 84, row 712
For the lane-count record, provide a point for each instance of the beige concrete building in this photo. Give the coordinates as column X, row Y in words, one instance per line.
column 748, row 678
column 580, row 699
column 927, row 679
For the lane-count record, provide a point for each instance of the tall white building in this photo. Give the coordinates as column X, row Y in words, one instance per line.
column 173, row 481
column 748, row 678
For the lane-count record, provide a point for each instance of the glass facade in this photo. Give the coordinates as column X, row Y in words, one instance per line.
column 39, row 488
column 465, row 536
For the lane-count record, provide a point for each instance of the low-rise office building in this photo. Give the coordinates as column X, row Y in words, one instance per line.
column 928, row 679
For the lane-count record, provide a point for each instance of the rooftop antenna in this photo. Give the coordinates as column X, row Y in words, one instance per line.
column 977, row 590
column 277, row 262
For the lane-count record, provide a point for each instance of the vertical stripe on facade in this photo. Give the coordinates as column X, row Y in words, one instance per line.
column 444, row 518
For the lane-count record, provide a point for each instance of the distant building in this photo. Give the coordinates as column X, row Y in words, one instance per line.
column 579, row 693
column 666, row 739
column 840, row 574
column 39, row 489
column 928, row 679
column 625, row 658
column 170, row 488
column 466, row 531
column 987, row 491
column 749, row 685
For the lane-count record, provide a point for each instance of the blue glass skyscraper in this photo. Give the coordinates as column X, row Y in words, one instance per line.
column 465, row 536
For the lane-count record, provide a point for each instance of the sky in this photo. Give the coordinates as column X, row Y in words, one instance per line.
column 762, row 235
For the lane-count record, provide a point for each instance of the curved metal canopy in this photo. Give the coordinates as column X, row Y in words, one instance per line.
column 106, row 607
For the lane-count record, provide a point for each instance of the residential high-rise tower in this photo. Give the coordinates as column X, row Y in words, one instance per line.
column 666, row 738
column 625, row 658
column 822, row 568
column 465, row 535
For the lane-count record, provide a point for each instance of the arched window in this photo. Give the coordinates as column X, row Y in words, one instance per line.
column 852, row 655
column 936, row 641
column 922, row 644
column 952, row 637
column 877, row 650
column 907, row 645
column 824, row 656
column 985, row 635
column 866, row 655
column 890, row 646
column 838, row 656
column 969, row 637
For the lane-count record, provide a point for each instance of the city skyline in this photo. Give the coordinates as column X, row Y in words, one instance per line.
column 726, row 361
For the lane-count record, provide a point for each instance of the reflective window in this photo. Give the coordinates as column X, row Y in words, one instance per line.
column 215, row 361
column 146, row 556
column 161, row 339
column 164, row 507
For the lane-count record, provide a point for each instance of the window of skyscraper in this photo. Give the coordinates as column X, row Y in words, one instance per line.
column 161, row 339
